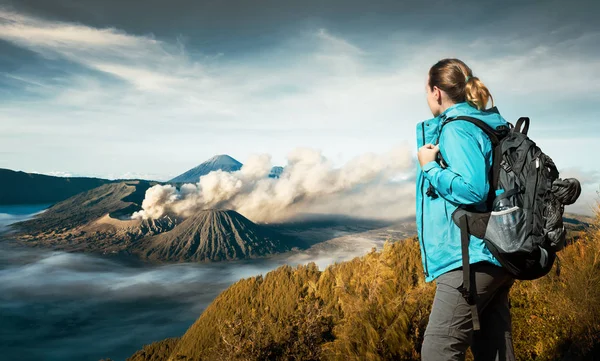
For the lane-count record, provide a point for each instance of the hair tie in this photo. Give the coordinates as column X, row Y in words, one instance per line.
column 467, row 78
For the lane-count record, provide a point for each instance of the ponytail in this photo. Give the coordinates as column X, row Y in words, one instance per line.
column 455, row 78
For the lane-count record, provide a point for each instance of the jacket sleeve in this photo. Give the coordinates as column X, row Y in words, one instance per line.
column 465, row 180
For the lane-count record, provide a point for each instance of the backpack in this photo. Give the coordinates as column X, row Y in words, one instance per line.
column 513, row 224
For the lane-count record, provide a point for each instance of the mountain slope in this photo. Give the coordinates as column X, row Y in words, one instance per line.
column 88, row 206
column 221, row 161
column 376, row 307
column 215, row 235
column 97, row 220
column 18, row 187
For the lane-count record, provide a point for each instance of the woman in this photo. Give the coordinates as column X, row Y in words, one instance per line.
column 452, row 90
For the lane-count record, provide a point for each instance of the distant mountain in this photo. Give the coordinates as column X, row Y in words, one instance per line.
column 17, row 187
column 276, row 172
column 215, row 235
column 221, row 161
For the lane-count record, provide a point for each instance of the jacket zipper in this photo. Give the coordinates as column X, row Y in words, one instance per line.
column 422, row 205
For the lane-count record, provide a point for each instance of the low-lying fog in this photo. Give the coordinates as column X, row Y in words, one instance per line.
column 67, row 306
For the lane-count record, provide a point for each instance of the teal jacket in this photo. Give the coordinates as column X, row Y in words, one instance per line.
column 467, row 151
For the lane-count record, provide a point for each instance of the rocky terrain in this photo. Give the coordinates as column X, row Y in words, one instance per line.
column 99, row 221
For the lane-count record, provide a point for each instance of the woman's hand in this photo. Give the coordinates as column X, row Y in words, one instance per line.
column 427, row 153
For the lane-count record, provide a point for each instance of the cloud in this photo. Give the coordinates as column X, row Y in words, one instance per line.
column 108, row 50
column 159, row 107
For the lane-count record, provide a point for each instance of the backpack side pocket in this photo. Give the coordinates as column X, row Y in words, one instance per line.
column 507, row 229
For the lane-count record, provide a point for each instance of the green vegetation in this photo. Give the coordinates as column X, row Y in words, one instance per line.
column 375, row 307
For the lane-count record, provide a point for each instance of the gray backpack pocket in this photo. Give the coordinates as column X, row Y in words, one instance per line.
column 506, row 229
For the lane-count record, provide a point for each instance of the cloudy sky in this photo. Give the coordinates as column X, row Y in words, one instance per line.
column 114, row 88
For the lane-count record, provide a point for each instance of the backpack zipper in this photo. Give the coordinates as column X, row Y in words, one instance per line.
column 422, row 205
column 537, row 173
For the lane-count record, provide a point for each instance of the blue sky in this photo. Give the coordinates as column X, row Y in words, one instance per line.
column 150, row 89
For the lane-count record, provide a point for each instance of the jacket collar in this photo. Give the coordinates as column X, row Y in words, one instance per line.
column 452, row 111
column 455, row 110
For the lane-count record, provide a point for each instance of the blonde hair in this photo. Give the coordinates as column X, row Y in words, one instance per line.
column 455, row 78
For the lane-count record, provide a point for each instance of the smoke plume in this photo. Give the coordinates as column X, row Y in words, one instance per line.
column 370, row 185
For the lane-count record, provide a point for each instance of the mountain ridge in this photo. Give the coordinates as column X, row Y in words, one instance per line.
column 18, row 187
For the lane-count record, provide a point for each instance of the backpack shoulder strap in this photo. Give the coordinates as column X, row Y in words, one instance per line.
column 494, row 135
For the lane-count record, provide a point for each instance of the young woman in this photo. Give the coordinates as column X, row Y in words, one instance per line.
column 452, row 90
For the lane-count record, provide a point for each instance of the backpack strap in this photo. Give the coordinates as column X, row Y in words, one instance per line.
column 491, row 133
column 520, row 122
column 468, row 290
column 494, row 136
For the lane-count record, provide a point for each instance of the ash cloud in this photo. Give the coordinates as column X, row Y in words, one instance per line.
column 371, row 185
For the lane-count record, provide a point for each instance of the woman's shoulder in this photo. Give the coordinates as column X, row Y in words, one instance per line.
column 490, row 117
column 466, row 131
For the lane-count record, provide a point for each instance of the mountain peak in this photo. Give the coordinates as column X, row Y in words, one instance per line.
column 223, row 159
column 222, row 162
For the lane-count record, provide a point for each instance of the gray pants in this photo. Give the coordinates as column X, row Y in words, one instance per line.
column 450, row 330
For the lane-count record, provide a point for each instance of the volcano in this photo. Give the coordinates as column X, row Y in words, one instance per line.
column 215, row 235
column 218, row 162
column 221, row 161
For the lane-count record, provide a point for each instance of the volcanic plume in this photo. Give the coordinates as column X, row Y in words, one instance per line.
column 370, row 185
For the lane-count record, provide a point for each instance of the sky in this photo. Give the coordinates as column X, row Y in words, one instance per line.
column 126, row 89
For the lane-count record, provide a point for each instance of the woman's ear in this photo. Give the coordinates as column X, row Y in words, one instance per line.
column 437, row 93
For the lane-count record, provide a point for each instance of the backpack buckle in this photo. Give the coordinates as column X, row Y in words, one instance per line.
column 468, row 296
column 507, row 167
column 431, row 192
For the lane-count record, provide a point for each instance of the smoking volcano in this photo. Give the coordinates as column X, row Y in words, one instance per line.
column 215, row 235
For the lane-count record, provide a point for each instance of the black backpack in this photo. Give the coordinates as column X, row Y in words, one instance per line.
column 512, row 224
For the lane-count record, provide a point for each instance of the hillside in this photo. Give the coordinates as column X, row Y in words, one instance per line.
column 93, row 221
column 18, row 187
column 215, row 235
column 375, row 307
column 115, row 198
